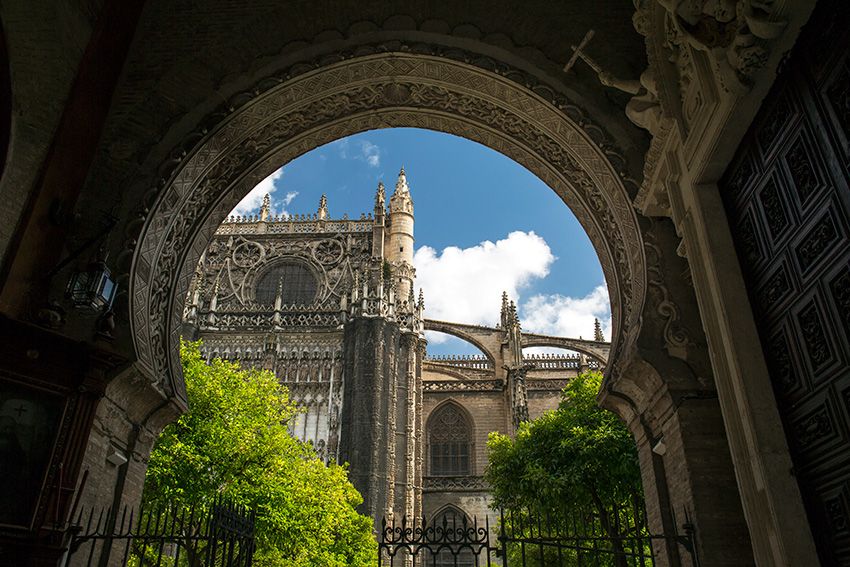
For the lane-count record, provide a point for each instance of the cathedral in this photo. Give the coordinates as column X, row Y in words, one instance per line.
column 703, row 146
column 329, row 305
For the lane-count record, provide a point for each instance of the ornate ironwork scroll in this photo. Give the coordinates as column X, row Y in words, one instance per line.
column 426, row 543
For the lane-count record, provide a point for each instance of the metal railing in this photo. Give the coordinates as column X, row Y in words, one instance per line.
column 218, row 535
column 613, row 536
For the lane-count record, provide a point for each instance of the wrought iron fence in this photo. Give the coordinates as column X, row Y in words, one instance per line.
column 453, row 540
column 218, row 535
column 612, row 536
column 596, row 536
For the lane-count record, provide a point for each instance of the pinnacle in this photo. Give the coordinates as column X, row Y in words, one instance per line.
column 380, row 195
column 322, row 212
column 265, row 209
column 401, row 186
column 597, row 331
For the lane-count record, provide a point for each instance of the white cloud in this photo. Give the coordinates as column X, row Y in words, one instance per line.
column 371, row 153
column 251, row 203
column 283, row 203
column 567, row 316
column 362, row 150
column 465, row 285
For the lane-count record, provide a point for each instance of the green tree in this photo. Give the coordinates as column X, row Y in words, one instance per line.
column 578, row 457
column 234, row 442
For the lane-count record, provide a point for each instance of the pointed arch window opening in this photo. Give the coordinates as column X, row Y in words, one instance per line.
column 450, row 442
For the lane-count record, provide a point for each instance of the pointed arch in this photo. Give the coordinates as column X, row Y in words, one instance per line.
column 450, row 440
column 448, row 511
column 451, row 517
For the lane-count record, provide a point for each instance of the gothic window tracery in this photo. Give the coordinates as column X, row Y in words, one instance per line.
column 298, row 285
column 449, row 442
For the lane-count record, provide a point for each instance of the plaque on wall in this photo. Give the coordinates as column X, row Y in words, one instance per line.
column 29, row 422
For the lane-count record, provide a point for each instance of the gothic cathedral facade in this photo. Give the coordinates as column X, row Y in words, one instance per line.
column 329, row 305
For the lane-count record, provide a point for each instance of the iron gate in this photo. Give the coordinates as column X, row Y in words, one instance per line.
column 614, row 537
column 220, row 535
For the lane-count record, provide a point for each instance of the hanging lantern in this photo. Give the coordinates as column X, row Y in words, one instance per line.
column 93, row 288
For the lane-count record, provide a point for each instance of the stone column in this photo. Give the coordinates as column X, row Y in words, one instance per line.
column 664, row 388
column 374, row 413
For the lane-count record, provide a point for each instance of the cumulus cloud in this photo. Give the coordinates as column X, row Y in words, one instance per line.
column 465, row 285
column 567, row 316
column 251, row 203
column 283, row 203
column 362, row 150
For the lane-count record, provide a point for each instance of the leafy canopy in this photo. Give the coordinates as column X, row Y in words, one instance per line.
column 578, row 461
column 234, row 442
column 570, row 456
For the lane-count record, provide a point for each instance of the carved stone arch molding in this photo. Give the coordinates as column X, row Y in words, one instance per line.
column 379, row 90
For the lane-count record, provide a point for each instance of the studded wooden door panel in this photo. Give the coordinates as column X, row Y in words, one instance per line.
column 788, row 203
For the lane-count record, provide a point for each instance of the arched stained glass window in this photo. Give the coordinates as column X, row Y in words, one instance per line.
column 299, row 285
column 449, row 440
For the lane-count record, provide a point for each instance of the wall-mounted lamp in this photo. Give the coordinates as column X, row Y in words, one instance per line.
column 93, row 288
column 660, row 448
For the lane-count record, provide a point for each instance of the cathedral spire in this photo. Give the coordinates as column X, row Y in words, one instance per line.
column 399, row 245
column 597, row 331
column 322, row 213
column 504, row 312
column 401, row 186
column 266, row 208
column 380, row 197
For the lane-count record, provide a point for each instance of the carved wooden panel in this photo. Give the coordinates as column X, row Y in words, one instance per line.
column 788, row 202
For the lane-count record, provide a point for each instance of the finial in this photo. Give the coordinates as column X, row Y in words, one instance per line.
column 322, row 213
column 421, row 298
column 401, row 186
column 504, row 312
column 265, row 209
column 597, row 331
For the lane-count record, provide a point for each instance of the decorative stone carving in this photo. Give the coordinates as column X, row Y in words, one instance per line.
column 676, row 338
column 455, row 483
column 465, row 386
column 735, row 33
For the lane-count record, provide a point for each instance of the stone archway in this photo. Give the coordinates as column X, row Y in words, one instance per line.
column 374, row 91
column 307, row 106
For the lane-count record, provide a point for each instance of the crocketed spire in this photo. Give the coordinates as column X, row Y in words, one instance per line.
column 322, row 213
column 401, row 185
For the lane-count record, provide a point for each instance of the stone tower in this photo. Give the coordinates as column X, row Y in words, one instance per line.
column 399, row 249
column 383, row 351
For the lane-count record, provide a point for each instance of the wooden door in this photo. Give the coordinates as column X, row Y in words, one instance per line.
column 788, row 202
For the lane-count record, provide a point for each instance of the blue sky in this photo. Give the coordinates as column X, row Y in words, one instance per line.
column 483, row 223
